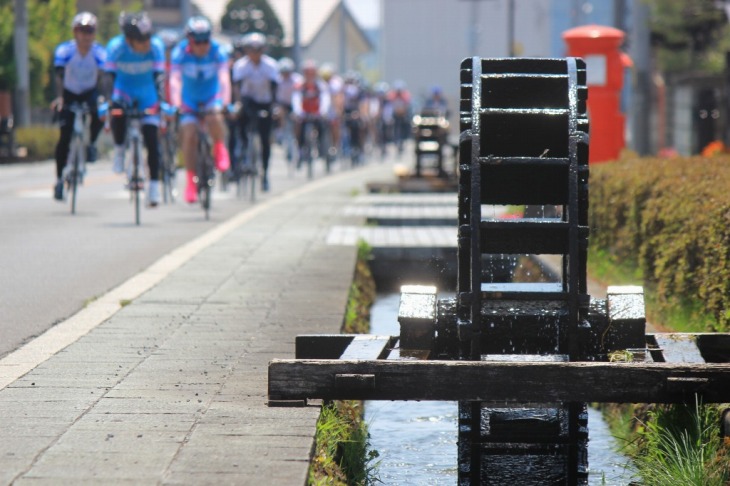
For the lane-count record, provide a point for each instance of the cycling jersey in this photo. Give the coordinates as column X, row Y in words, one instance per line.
column 353, row 96
column 80, row 72
column 311, row 99
column 134, row 72
column 200, row 75
column 286, row 88
column 256, row 79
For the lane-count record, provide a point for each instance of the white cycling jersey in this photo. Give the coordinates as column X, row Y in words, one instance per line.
column 80, row 72
column 256, row 79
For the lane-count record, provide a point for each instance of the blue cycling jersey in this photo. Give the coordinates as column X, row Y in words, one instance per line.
column 200, row 82
column 134, row 72
column 80, row 72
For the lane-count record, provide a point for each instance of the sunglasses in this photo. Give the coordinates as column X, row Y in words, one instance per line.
column 86, row 29
column 201, row 42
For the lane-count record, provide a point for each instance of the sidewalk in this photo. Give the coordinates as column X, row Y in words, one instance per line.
column 171, row 389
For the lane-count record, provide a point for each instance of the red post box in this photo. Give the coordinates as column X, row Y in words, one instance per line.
column 599, row 46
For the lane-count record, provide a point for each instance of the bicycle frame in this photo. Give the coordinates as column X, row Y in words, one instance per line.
column 135, row 173
column 75, row 169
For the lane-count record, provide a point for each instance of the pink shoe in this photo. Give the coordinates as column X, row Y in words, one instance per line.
column 222, row 159
column 191, row 190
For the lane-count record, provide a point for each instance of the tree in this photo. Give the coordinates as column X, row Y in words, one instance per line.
column 246, row 16
column 689, row 35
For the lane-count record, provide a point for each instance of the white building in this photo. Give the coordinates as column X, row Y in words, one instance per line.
column 424, row 41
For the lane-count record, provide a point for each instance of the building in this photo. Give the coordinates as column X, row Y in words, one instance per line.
column 424, row 41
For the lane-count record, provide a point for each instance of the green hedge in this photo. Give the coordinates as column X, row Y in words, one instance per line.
column 39, row 140
column 671, row 219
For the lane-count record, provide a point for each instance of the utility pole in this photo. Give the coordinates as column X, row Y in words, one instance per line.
column 641, row 54
column 343, row 38
column 297, row 47
column 22, row 65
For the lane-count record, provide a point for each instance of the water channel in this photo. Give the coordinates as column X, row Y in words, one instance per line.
column 417, row 440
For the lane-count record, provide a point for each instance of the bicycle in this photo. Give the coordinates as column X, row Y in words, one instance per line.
column 135, row 173
column 288, row 138
column 204, row 166
column 253, row 152
column 353, row 129
column 309, row 151
column 239, row 173
column 168, row 161
column 73, row 173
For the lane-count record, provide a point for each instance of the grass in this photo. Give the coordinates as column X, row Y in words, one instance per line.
column 343, row 455
column 680, row 445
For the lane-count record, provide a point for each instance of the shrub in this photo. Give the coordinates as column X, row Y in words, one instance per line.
column 39, row 140
column 671, row 219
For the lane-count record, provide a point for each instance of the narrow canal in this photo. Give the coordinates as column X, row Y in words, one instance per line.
column 417, row 440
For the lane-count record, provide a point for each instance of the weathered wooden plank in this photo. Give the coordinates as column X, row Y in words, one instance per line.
column 366, row 346
column 501, row 382
column 679, row 348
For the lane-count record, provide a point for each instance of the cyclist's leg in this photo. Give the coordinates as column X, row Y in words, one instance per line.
column 118, row 126
column 62, row 149
column 150, row 133
column 189, row 145
column 242, row 132
column 216, row 128
column 265, row 134
column 94, row 127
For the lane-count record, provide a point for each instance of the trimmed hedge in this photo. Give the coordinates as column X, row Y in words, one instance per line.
column 39, row 140
column 671, row 219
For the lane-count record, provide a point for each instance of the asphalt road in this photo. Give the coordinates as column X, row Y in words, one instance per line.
column 52, row 262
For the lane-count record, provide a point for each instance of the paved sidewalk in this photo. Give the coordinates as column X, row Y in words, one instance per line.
column 171, row 389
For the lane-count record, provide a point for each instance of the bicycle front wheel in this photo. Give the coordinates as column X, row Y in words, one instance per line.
column 73, row 175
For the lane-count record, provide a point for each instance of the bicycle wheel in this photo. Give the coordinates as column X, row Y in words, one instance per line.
column 169, row 168
column 205, row 174
column 135, row 182
column 72, row 176
column 252, row 161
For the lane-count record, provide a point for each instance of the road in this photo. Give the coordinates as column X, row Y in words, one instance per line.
column 52, row 263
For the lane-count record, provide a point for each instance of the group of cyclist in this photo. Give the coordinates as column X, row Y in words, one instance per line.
column 193, row 80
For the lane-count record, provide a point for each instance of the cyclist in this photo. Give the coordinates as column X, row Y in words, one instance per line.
column 353, row 100
column 400, row 102
column 311, row 104
column 334, row 86
column 135, row 69
column 199, row 78
column 437, row 102
column 255, row 78
column 169, row 38
column 290, row 82
column 231, row 120
column 78, row 63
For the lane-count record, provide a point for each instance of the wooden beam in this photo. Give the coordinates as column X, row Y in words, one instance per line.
column 509, row 383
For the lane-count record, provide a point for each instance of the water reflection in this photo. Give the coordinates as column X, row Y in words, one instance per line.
column 417, row 441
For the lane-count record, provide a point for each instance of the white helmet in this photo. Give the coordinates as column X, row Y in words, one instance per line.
column 84, row 19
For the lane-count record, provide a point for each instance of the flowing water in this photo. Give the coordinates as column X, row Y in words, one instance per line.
column 417, row 440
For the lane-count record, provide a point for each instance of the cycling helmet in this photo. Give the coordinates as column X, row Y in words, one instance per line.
column 327, row 71
column 136, row 26
column 255, row 41
column 399, row 85
column 286, row 65
column 309, row 66
column 198, row 28
column 84, row 20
